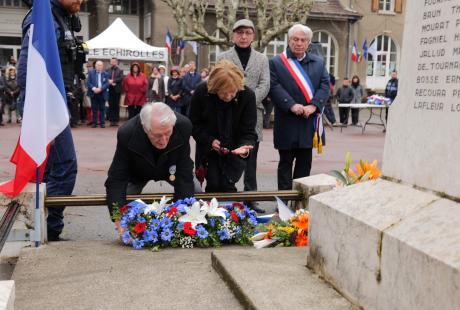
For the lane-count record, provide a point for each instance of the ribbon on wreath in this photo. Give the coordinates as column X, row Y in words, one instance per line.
column 319, row 131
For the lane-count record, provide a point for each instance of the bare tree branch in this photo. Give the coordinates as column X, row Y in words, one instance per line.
column 272, row 18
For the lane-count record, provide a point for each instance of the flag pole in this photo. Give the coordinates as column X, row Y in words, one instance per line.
column 37, row 209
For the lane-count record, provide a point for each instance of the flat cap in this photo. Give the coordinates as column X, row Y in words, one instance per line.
column 243, row 23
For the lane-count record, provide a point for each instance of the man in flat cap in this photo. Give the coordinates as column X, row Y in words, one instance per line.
column 256, row 71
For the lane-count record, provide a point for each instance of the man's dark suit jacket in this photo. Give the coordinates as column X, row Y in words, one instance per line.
column 134, row 161
column 92, row 82
column 292, row 131
column 117, row 78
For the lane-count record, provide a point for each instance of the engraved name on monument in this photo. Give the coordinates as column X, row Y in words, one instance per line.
column 423, row 140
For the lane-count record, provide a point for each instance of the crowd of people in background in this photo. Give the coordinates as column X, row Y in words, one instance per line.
column 9, row 92
column 100, row 94
column 98, row 103
column 353, row 92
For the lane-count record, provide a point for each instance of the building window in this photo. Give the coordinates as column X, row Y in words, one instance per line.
column 386, row 5
column 382, row 57
column 84, row 7
column 125, row 7
column 329, row 49
column 9, row 46
column 214, row 50
column 276, row 46
column 12, row 3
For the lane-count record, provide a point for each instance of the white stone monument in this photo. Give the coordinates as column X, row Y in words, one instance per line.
column 395, row 243
column 422, row 146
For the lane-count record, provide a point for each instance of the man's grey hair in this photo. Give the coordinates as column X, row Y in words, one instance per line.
column 302, row 28
column 160, row 111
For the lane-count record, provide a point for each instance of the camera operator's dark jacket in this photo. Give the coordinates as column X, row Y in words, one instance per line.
column 134, row 161
column 71, row 64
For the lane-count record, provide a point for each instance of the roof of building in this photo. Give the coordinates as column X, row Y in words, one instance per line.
column 333, row 9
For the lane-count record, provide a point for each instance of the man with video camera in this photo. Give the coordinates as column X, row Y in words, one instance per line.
column 61, row 168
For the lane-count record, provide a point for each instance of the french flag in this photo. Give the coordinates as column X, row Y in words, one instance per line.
column 354, row 53
column 45, row 109
column 180, row 46
column 168, row 40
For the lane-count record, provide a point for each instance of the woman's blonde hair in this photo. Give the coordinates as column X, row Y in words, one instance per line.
column 225, row 75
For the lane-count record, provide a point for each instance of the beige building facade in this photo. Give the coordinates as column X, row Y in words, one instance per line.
column 336, row 24
column 382, row 26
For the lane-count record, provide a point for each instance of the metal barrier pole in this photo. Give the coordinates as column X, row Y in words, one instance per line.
column 100, row 200
column 7, row 221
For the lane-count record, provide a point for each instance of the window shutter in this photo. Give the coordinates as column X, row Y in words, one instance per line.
column 398, row 6
column 375, row 6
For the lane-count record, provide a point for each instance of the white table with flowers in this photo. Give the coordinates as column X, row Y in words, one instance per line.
column 375, row 112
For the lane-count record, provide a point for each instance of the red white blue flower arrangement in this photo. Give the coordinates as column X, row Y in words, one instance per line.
column 185, row 223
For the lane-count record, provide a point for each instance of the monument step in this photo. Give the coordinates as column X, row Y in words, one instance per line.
column 387, row 246
column 105, row 275
column 275, row 278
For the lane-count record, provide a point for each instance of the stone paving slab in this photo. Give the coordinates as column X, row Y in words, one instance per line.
column 275, row 278
column 105, row 275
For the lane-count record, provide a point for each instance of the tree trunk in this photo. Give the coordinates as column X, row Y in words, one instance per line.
column 102, row 11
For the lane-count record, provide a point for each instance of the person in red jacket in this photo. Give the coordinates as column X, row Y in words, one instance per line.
column 135, row 88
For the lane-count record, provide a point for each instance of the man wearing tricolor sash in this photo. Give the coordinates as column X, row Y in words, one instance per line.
column 299, row 89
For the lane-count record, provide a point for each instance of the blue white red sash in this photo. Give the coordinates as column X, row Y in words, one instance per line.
column 303, row 81
column 299, row 75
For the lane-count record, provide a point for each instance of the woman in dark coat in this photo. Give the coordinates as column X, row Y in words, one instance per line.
column 175, row 90
column 223, row 114
column 358, row 94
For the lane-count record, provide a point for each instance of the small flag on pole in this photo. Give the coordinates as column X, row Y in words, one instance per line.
column 372, row 50
column 168, row 40
column 194, row 46
column 354, row 53
column 180, row 46
column 45, row 109
column 365, row 49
